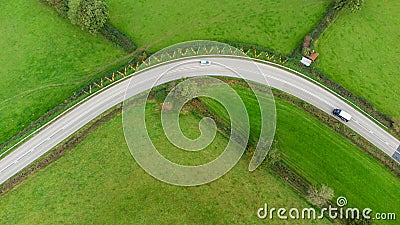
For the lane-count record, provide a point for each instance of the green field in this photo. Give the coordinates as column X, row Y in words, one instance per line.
column 277, row 25
column 44, row 59
column 361, row 51
column 324, row 157
column 99, row 182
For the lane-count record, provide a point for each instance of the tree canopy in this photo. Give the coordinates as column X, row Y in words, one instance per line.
column 352, row 5
column 88, row 14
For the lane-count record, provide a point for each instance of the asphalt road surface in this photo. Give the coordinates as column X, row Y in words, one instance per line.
column 278, row 78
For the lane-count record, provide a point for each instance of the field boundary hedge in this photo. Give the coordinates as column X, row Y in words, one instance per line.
column 117, row 37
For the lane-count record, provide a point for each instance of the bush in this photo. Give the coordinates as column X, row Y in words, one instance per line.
column 320, row 197
column 273, row 155
column 61, row 6
column 184, row 92
column 306, row 51
column 161, row 94
column 306, row 41
column 90, row 15
column 352, row 5
column 73, row 6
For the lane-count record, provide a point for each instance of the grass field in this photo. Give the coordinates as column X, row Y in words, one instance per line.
column 361, row 51
column 324, row 157
column 277, row 25
column 99, row 182
column 44, row 59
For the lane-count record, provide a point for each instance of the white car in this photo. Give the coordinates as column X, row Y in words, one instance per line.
column 205, row 62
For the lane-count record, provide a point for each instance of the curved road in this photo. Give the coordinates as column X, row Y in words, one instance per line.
column 278, row 78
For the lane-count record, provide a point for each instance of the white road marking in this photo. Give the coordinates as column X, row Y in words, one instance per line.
column 7, row 167
column 40, row 144
column 56, row 132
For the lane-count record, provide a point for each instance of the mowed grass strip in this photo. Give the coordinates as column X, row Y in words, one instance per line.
column 99, row 182
column 322, row 156
column 277, row 25
column 361, row 51
column 44, row 59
